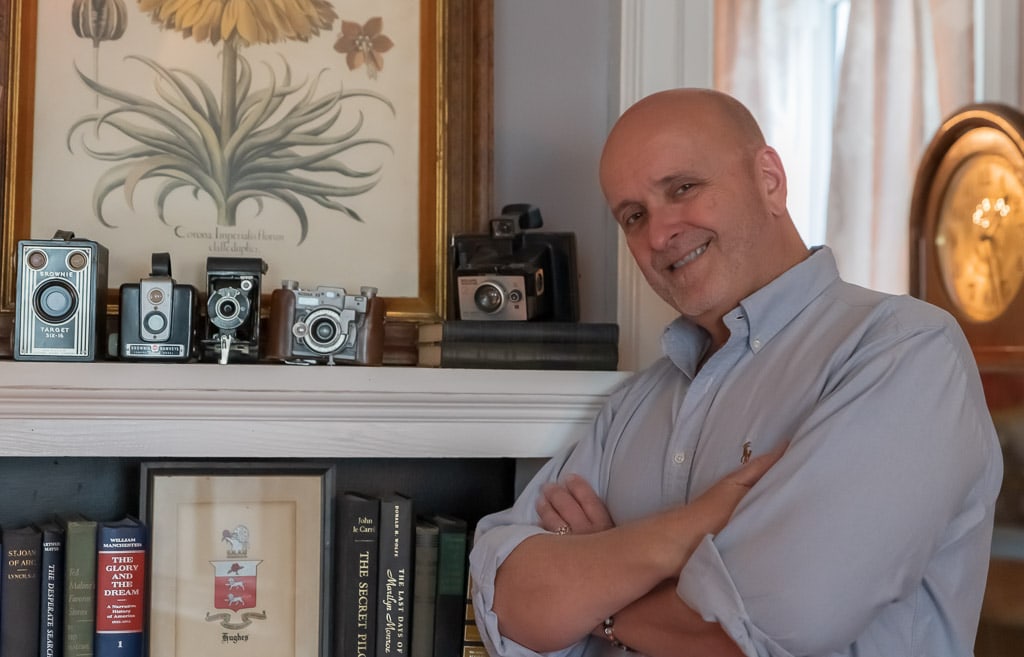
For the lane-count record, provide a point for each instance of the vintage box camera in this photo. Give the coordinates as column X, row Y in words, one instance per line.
column 326, row 325
column 515, row 275
column 158, row 316
column 61, row 301
column 233, row 308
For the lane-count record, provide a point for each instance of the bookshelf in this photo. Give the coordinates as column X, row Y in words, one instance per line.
column 72, row 435
column 281, row 411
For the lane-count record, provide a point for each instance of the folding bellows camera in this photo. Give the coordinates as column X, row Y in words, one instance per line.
column 513, row 274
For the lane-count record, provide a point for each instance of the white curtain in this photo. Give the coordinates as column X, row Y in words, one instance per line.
column 768, row 53
column 906, row 64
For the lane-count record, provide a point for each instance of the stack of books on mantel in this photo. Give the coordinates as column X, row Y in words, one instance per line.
column 515, row 345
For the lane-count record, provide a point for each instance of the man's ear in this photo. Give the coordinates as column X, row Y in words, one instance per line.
column 772, row 179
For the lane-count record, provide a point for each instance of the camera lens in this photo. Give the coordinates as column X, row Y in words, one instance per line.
column 155, row 322
column 489, row 298
column 324, row 331
column 55, row 301
column 228, row 308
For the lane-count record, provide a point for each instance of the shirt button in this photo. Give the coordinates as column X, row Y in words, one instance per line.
column 679, row 458
column 756, row 343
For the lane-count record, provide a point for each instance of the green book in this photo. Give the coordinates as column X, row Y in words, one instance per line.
column 79, row 584
column 424, row 584
column 450, row 592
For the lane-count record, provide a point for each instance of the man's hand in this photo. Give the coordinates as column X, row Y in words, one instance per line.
column 572, row 507
column 552, row 590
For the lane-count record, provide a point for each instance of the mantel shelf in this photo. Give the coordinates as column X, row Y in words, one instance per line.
column 279, row 411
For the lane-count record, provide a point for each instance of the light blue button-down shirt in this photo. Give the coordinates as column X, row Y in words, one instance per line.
column 870, row 537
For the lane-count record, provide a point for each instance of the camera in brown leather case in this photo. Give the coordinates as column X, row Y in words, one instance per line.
column 325, row 325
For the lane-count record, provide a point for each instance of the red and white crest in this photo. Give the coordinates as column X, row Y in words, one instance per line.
column 235, row 583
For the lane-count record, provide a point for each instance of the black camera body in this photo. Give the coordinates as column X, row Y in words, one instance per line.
column 61, row 300
column 233, row 308
column 325, row 325
column 512, row 274
column 158, row 317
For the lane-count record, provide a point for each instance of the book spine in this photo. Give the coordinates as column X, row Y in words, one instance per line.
column 449, row 617
column 51, row 602
column 522, row 355
column 19, row 605
column 394, row 576
column 407, row 355
column 424, row 589
column 472, row 642
column 79, row 587
column 400, row 339
column 120, row 588
column 356, row 611
column 512, row 331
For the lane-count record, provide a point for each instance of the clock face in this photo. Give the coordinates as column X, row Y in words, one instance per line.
column 967, row 229
column 979, row 236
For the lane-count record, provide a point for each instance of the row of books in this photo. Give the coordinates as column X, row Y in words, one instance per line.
column 501, row 344
column 76, row 587
column 402, row 588
column 73, row 586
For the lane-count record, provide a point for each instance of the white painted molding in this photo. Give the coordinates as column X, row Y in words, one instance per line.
column 997, row 38
column 206, row 410
column 663, row 44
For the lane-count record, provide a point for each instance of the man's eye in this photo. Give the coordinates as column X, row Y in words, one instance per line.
column 682, row 189
column 632, row 218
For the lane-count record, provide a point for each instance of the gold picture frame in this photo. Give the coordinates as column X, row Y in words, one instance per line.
column 239, row 554
column 455, row 159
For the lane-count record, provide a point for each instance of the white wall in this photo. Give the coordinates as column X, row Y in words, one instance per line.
column 553, row 104
column 560, row 80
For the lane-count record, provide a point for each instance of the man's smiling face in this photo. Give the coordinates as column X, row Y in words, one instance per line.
column 696, row 197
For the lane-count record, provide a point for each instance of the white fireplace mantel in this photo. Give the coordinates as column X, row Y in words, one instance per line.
column 280, row 411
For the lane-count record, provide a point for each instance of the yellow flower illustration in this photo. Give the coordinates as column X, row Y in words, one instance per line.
column 282, row 140
column 247, row 21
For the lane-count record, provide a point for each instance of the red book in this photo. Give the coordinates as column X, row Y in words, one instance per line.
column 120, row 588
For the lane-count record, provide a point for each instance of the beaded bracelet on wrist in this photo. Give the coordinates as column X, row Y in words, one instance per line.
column 609, row 633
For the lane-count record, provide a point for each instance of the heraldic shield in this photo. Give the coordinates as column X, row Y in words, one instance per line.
column 235, row 583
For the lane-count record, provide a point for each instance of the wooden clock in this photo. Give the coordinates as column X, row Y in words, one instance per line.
column 967, row 228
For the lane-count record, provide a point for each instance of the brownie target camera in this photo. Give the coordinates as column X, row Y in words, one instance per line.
column 233, row 308
column 61, row 300
column 158, row 317
column 326, row 325
column 512, row 274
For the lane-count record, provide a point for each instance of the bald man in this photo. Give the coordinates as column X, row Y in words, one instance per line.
column 810, row 469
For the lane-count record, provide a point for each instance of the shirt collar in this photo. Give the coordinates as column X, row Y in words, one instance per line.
column 764, row 313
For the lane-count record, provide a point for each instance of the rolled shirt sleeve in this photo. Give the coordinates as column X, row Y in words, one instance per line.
column 875, row 526
column 498, row 534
